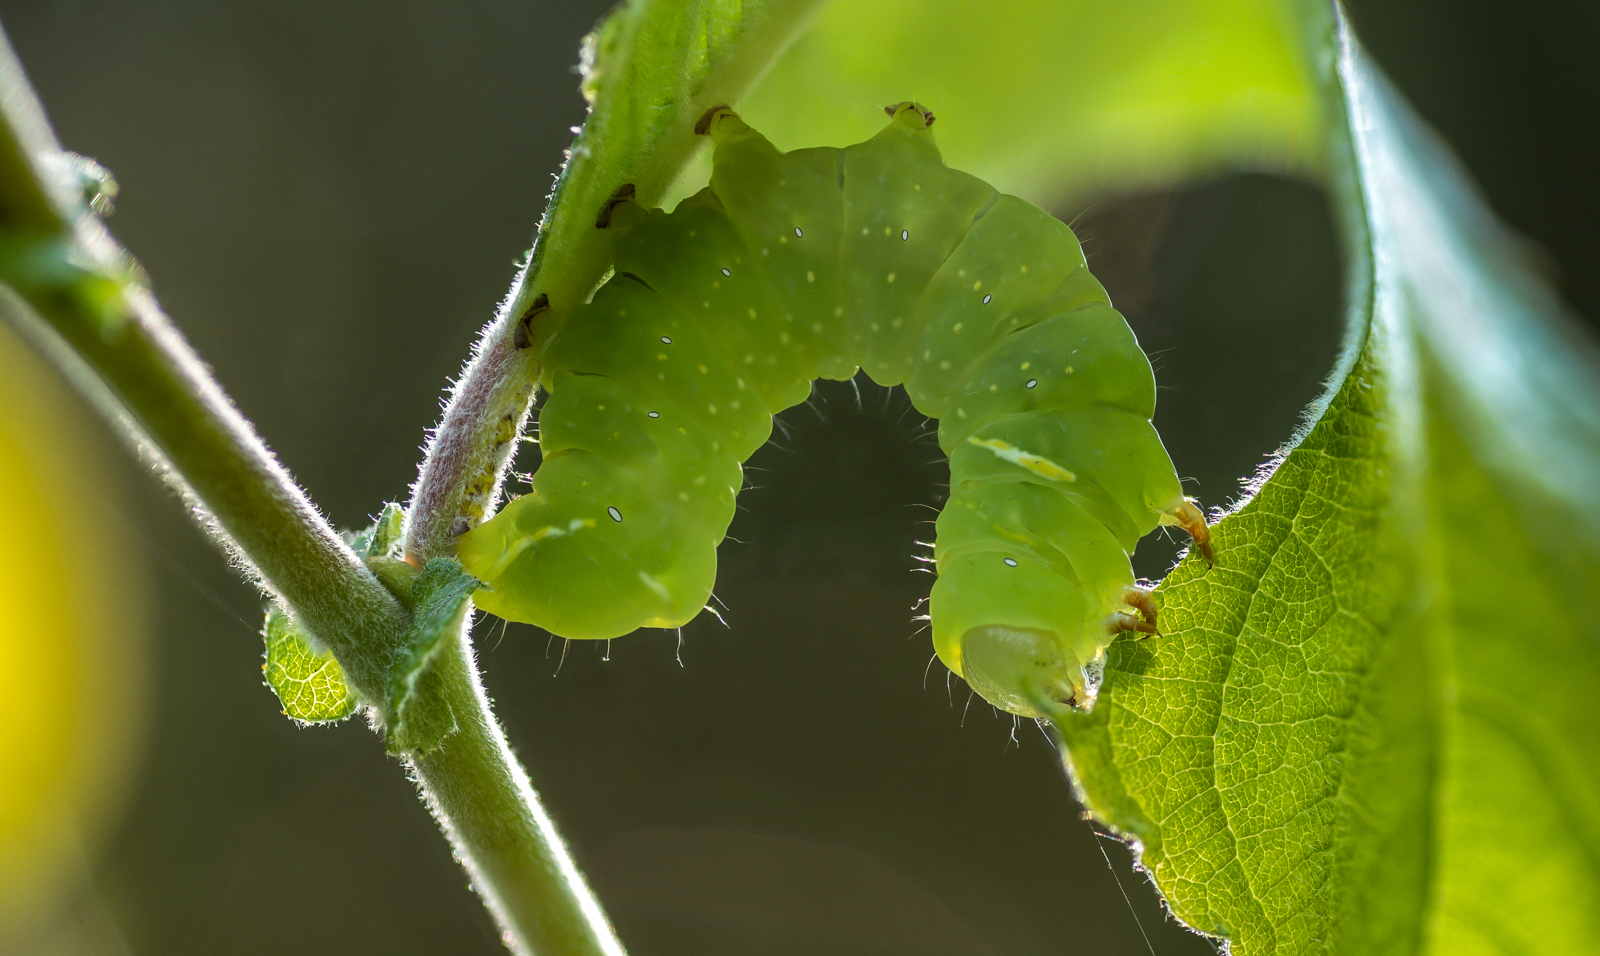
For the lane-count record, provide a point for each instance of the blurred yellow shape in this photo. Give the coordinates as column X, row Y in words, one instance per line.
column 71, row 641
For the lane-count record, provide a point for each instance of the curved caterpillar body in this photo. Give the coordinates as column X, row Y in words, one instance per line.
column 794, row 266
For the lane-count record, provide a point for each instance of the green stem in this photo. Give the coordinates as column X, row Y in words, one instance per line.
column 122, row 352
column 484, row 802
column 152, row 384
column 157, row 394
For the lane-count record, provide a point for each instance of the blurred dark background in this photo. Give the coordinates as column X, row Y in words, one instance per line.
column 330, row 198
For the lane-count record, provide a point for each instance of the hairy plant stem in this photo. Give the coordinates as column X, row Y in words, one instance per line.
column 484, row 802
column 141, row 375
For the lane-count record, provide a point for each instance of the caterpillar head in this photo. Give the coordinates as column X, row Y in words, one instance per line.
column 911, row 113
column 1026, row 671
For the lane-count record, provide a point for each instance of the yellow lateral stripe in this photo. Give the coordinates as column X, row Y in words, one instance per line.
column 1038, row 464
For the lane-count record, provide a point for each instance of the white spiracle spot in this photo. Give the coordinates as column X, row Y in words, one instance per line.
column 727, row 271
column 1033, row 382
column 653, row 414
column 666, row 340
column 1011, row 562
column 614, row 513
column 987, row 296
column 905, row 234
column 797, row 233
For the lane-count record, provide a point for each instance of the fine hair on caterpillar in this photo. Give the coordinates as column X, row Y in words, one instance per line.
column 818, row 263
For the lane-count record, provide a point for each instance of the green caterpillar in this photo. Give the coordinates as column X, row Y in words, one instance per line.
column 814, row 263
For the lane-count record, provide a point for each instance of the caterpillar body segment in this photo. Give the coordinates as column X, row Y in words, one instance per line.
column 814, row 263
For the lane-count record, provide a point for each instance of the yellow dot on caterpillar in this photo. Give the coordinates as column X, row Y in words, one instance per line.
column 704, row 370
column 700, row 480
column 1069, row 370
column 994, row 388
column 739, row 381
column 896, row 323
column 713, row 409
column 783, row 240
column 752, row 313
column 977, row 285
column 811, row 276
column 838, row 310
column 961, row 413
column 875, row 326
column 662, row 356
column 891, row 277
column 958, row 327
column 600, row 408
column 735, row 403
column 683, row 496
column 887, row 231
column 816, row 327
column 783, row 337
column 945, row 364
column 1025, row 365
column 715, row 284
column 749, row 359
column 917, row 187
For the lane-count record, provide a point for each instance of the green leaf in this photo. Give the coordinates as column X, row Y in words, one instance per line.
column 650, row 70
column 1370, row 728
column 419, row 715
column 308, row 681
column 1050, row 101
column 383, row 538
